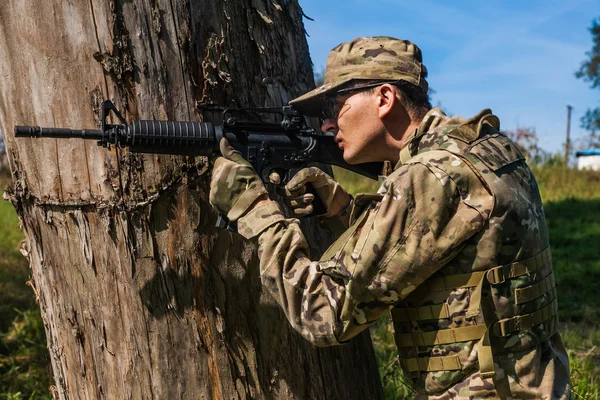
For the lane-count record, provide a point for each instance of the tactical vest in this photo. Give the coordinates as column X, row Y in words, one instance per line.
column 427, row 335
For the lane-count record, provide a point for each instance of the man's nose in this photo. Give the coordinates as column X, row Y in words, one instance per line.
column 329, row 125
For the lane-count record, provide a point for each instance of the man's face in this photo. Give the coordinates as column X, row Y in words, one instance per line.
column 354, row 120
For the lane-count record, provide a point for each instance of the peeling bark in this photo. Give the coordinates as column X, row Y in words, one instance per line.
column 141, row 296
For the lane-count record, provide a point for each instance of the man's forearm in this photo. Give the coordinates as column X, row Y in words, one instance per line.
column 298, row 285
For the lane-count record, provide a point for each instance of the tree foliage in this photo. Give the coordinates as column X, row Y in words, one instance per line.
column 590, row 72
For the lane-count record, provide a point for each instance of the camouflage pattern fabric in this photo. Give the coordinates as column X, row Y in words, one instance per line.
column 371, row 58
column 529, row 363
column 331, row 194
column 461, row 199
column 234, row 185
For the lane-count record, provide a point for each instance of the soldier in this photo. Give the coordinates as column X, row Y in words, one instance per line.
column 453, row 245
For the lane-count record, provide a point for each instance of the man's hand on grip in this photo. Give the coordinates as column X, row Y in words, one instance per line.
column 234, row 185
column 332, row 195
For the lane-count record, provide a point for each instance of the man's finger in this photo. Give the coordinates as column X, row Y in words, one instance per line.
column 303, row 212
column 300, row 179
column 284, row 192
column 301, row 201
column 230, row 153
column 274, row 178
column 311, row 175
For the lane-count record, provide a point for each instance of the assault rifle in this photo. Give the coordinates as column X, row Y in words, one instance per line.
column 283, row 147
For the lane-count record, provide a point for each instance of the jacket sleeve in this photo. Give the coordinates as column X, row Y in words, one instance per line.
column 420, row 221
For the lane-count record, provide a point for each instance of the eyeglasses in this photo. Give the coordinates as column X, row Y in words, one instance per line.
column 333, row 103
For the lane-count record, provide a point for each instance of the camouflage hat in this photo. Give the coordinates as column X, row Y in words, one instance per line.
column 367, row 58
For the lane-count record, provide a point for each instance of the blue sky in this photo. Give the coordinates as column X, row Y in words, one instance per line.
column 516, row 57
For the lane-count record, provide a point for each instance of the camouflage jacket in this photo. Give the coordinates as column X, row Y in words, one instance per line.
column 460, row 200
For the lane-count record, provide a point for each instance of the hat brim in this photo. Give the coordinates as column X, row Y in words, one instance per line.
column 310, row 103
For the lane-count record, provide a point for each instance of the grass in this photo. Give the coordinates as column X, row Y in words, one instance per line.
column 24, row 359
column 574, row 228
column 572, row 206
column 558, row 183
column 14, row 271
column 24, row 370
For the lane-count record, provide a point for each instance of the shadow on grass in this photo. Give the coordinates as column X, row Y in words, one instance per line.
column 574, row 228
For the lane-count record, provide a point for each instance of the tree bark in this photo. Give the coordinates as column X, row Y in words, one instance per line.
column 141, row 296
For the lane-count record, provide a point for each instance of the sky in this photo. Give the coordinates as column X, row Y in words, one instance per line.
column 516, row 57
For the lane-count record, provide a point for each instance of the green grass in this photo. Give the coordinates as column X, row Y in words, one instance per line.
column 24, row 359
column 24, row 370
column 574, row 229
column 14, row 271
column 558, row 183
column 582, row 342
column 394, row 384
column 572, row 206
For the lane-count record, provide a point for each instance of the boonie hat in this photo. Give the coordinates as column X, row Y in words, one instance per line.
column 366, row 58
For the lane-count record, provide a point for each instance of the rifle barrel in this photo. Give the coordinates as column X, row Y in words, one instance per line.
column 61, row 133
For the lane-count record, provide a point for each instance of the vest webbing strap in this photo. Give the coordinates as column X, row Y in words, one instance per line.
column 507, row 326
column 423, row 313
column 499, row 274
column 525, row 294
column 440, row 311
column 443, row 336
column 484, row 355
column 443, row 363
column 494, row 275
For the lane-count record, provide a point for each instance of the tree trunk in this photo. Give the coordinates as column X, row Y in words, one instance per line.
column 141, row 296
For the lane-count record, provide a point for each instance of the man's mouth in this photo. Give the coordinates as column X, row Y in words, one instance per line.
column 338, row 140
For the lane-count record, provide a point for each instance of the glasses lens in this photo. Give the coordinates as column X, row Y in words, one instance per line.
column 328, row 108
column 333, row 104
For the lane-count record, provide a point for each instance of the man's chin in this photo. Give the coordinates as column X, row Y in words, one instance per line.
column 349, row 159
column 354, row 158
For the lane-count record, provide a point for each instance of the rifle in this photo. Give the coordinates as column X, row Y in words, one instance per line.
column 283, row 147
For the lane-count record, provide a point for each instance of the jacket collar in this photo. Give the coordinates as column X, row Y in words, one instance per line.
column 434, row 118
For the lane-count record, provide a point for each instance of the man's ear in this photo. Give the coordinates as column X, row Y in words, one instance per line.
column 386, row 97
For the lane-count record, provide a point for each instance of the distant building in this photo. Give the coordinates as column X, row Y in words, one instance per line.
column 588, row 159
